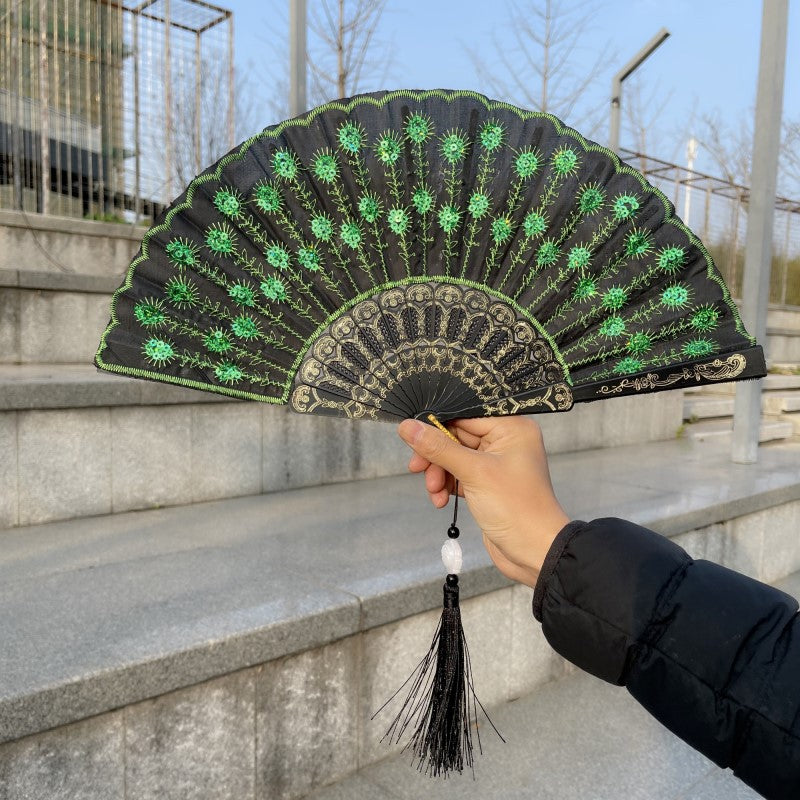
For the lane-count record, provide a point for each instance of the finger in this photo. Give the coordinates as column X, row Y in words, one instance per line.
column 418, row 464
column 467, row 439
column 435, row 479
column 439, row 449
column 440, row 499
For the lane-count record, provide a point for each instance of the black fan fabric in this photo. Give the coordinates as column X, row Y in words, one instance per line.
column 406, row 252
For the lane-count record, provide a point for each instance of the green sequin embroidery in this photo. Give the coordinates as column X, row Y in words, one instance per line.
column 322, row 227
column 638, row 244
column 388, row 148
column 422, row 200
column 399, row 220
column 309, row 259
column 278, row 256
column 705, row 318
column 150, row 313
column 227, row 372
column 491, row 136
column 628, row 365
column 182, row 253
column 245, row 327
column 273, row 288
column 501, row 230
column 351, row 234
column 579, row 257
column 547, row 254
column 584, row 289
column 369, row 206
column 158, row 352
column 675, row 297
column 696, row 348
column 639, row 342
column 325, row 167
column 448, row 218
column 241, row 293
column 419, row 128
column 454, row 147
column 478, row 205
column 217, row 341
column 351, row 137
column 615, row 298
column 267, row 198
column 671, row 259
column 591, row 199
column 534, row 225
column 527, row 163
column 228, row 202
column 612, row 327
column 565, row 161
column 625, row 206
column 285, row 164
column 181, row 293
column 220, row 239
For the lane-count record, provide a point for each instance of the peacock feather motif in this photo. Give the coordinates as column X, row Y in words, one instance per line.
column 407, row 252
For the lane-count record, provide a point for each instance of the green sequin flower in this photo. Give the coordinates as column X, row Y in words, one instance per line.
column 625, row 206
column 278, row 256
column 351, row 234
column 579, row 257
column 697, row 348
column 322, row 227
column 675, row 297
column 220, row 239
column 491, row 136
column 565, row 161
column 449, row 217
column 285, row 164
column 245, row 327
column 534, row 225
column 150, row 313
column 454, row 147
column 613, row 326
column 527, row 163
column 369, row 206
column 705, row 318
column 242, row 293
column 182, row 253
column 671, row 259
column 181, row 292
column 547, row 255
column 351, row 137
column 273, row 289
column 502, row 230
column 399, row 220
column 591, row 199
column 309, row 258
column 638, row 244
column 268, row 198
column 419, row 128
column 228, row 202
column 628, row 365
column 217, row 341
column 227, row 372
column 584, row 289
column 422, row 200
column 478, row 205
column 640, row 342
column 388, row 148
column 614, row 298
column 158, row 352
column 325, row 167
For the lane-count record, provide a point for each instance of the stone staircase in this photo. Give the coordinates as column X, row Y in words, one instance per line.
column 708, row 410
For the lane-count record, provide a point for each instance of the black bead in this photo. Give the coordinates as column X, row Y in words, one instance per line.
column 452, row 580
column 453, row 532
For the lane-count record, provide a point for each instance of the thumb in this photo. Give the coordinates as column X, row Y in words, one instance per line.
column 439, row 449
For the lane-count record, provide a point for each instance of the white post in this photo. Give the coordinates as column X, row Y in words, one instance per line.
column 691, row 155
column 297, row 57
column 758, row 248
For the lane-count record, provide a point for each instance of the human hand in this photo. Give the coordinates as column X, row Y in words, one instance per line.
column 501, row 466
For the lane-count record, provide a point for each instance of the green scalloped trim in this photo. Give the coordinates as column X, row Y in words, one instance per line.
column 304, row 120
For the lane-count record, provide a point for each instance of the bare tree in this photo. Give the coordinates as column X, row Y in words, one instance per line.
column 342, row 47
column 642, row 112
column 537, row 70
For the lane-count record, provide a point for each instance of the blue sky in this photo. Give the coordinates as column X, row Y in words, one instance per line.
column 709, row 65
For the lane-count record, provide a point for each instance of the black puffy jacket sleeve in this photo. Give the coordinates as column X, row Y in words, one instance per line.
column 712, row 654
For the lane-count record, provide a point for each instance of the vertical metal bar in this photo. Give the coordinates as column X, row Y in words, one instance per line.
column 16, row 109
column 231, row 87
column 103, row 105
column 758, row 249
column 297, row 57
column 88, row 104
column 168, row 125
column 58, row 133
column 785, row 275
column 706, row 214
column 137, row 133
column 733, row 255
column 198, row 157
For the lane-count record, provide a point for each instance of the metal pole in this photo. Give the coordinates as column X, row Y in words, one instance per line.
column 616, row 84
column 16, row 111
column 297, row 57
column 758, row 249
column 198, row 101
column 691, row 155
column 169, row 133
column 137, row 132
column 231, row 87
column 44, row 108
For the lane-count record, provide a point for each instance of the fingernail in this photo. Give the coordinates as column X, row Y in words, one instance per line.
column 410, row 430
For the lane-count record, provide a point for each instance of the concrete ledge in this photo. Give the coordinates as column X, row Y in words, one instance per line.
column 106, row 612
column 59, row 281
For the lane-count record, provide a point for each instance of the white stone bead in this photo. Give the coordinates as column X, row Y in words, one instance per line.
column 451, row 556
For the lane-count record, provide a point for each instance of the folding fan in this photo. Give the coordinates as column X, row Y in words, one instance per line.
column 426, row 254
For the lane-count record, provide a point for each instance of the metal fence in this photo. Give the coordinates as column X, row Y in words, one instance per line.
column 717, row 211
column 108, row 108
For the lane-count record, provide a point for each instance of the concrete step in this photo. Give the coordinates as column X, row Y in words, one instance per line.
column 780, row 403
column 771, row 383
column 721, row 430
column 698, row 407
column 229, row 644
column 82, row 442
column 794, row 421
column 76, row 307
